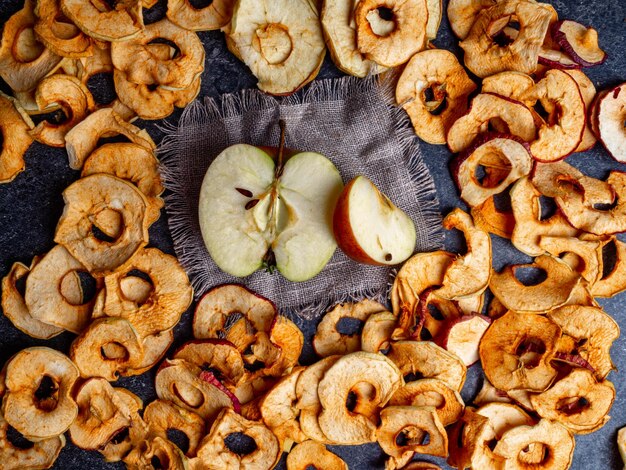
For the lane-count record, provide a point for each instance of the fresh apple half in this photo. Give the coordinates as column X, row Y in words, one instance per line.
column 369, row 228
column 254, row 210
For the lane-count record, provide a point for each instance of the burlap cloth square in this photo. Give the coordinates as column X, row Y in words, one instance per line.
column 351, row 121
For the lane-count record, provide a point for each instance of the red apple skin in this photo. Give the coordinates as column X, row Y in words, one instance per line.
column 343, row 231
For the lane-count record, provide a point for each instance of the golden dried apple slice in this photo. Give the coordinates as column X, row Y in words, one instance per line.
column 491, row 219
column 510, row 84
column 154, row 348
column 465, row 436
column 16, row 139
column 463, row 13
column 490, row 394
column 434, row 393
column 611, row 109
column 585, row 256
column 377, row 331
column 313, row 454
column 371, row 379
column 621, row 443
column 58, row 33
column 38, row 401
column 99, row 21
column 162, row 416
column 156, row 452
column 588, row 93
column 392, row 40
column 214, row 16
column 280, row 40
column 433, row 89
column 614, row 281
column 219, row 357
column 516, row 352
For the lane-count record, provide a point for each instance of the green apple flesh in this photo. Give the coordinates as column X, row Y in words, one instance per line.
column 369, row 228
column 245, row 210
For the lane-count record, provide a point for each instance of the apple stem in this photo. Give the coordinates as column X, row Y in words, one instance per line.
column 281, row 147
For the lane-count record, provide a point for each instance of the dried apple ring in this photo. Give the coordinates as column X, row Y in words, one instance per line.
column 485, row 108
column 136, row 61
column 391, row 41
column 372, row 379
column 89, row 353
column 509, row 84
column 219, row 356
column 42, row 453
column 588, row 93
column 280, row 40
column 84, row 199
column 24, row 61
column 99, row 21
column 15, row 309
column 484, row 57
column 214, row 451
column 74, row 99
column 313, row 454
column 154, row 348
column 163, row 416
column 583, row 256
column 82, row 140
column 59, row 34
column 377, row 331
column 434, row 393
column 171, row 296
column 214, row 16
column 15, row 139
column 462, row 14
column 37, row 401
column 155, row 452
column 329, row 341
column 516, row 352
column 134, row 163
column 435, row 72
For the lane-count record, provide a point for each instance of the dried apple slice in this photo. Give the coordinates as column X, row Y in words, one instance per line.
column 371, row 379
column 155, row 452
column 214, row 16
column 490, row 218
column 484, row 57
column 516, row 351
column 490, row 394
column 391, row 41
column 577, row 401
column 99, row 21
column 503, row 158
column 509, row 84
column 433, row 89
column 465, row 436
column 16, row 139
column 281, row 42
column 154, row 348
column 580, row 42
column 487, row 107
column 463, row 336
column 542, row 297
column 434, row 393
column 556, row 59
column 586, row 254
column 58, row 34
column 162, row 416
column 435, row 315
column 611, row 113
column 329, row 341
column 588, row 93
column 377, row 331
column 621, row 443
column 313, row 454
column 614, row 281
column 37, row 401
column 219, row 357
column 463, row 13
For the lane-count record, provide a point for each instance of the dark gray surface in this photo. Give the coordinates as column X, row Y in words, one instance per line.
column 31, row 205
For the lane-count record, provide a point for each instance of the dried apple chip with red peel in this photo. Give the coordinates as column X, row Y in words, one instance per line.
column 155, row 452
column 463, row 13
column 214, row 16
column 579, row 42
column 313, row 454
column 509, row 84
column 435, row 314
column 377, row 331
column 99, row 21
column 489, row 218
column 463, row 336
column 516, row 352
column 610, row 119
column 588, row 93
column 485, row 108
column 162, row 416
column 437, row 72
column 434, row 393
column 16, row 139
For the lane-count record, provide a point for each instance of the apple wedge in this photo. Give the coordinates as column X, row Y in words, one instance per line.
column 369, row 228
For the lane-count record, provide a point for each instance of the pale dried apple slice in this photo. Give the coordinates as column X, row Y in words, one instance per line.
column 99, row 21
column 391, row 41
column 16, row 139
column 484, row 57
column 281, row 42
column 313, row 454
column 556, row 59
column 435, row 72
column 580, row 42
column 214, row 16
column 467, row 275
column 611, row 113
column 38, row 401
column 503, row 158
column 586, row 258
column 547, row 295
column 162, row 416
column 58, row 33
column 434, row 393
column 463, row 13
column 490, row 394
column 371, row 379
column 463, row 336
column 435, row 12
column 516, row 352
column 328, row 341
column 490, row 218
column 612, row 282
column 377, row 331
column 509, row 84
column 485, row 108
column 588, row 93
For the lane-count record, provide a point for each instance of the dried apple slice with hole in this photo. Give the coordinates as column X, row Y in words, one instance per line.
column 463, row 336
column 377, row 331
column 579, row 42
column 467, row 275
column 433, row 89
column 490, row 218
column 328, row 340
column 541, row 297
column 16, row 138
column 59, row 34
column 418, row 429
column 502, row 158
column 484, row 56
column 281, row 42
column 610, row 119
column 516, row 352
column 585, row 256
column 390, row 32
column 463, row 13
column 435, row 315
column 613, row 278
column 424, row 359
column 215, row 452
column 38, row 401
column 219, row 357
column 313, row 454
column 434, row 393
column 577, row 401
column 550, row 446
column 155, row 452
column 352, row 392
column 162, row 417
column 485, row 109
column 99, row 21
column 214, row 16
column 154, row 348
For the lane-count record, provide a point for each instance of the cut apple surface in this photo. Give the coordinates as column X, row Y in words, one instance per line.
column 369, row 228
column 250, row 211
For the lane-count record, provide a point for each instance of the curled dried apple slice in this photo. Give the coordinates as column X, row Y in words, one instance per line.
column 585, row 256
column 465, row 436
column 492, row 219
column 59, row 34
column 434, row 316
column 484, row 109
column 162, row 416
column 580, row 42
column 392, row 38
column 99, row 21
column 329, row 341
column 611, row 112
column 377, row 331
column 433, row 89
column 214, row 16
column 516, row 351
column 484, row 57
column 155, row 452
column 219, row 357
column 37, row 401
column 577, row 401
column 614, row 281
column 503, row 158
column 554, row 291
column 463, row 13
column 313, row 454
column 371, row 379
column 588, row 93
column 434, row 393
column 16, row 139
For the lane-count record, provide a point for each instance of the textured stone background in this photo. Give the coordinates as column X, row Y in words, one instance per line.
column 31, row 205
